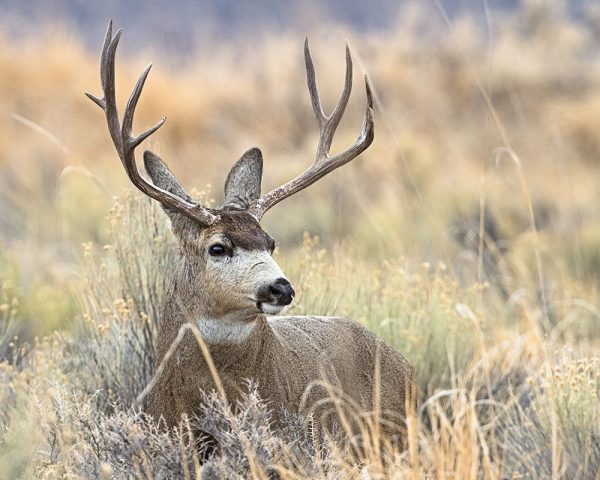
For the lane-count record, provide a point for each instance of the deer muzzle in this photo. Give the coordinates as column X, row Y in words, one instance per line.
column 273, row 297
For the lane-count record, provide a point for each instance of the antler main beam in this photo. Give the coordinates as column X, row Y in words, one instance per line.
column 125, row 142
column 323, row 163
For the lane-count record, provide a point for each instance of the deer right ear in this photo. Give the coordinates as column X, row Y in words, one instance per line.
column 242, row 186
column 163, row 178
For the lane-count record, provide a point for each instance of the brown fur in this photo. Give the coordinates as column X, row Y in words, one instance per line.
column 284, row 355
column 227, row 294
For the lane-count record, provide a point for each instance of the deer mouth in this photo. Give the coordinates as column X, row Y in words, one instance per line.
column 270, row 308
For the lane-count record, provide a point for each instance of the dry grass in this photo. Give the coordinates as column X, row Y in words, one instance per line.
column 468, row 237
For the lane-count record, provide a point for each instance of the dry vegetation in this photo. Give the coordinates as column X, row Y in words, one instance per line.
column 468, row 237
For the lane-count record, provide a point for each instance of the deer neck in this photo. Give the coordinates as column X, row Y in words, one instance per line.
column 186, row 302
column 234, row 328
column 226, row 330
column 243, row 351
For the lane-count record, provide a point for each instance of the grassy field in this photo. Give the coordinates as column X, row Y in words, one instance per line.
column 467, row 236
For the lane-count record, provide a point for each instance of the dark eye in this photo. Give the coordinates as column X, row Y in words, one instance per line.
column 271, row 247
column 217, row 250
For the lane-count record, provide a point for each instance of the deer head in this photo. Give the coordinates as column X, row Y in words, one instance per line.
column 225, row 254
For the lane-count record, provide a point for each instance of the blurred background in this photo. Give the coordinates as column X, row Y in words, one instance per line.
column 486, row 152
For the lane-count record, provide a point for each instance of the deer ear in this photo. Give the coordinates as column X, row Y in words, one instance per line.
column 242, row 186
column 163, row 178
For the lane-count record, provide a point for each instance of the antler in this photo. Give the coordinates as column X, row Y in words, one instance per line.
column 125, row 142
column 323, row 163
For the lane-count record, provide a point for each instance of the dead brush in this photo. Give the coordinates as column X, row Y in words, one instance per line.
column 120, row 291
column 556, row 432
column 66, row 404
column 67, row 409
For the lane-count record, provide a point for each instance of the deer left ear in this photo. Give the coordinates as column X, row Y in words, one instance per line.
column 242, row 186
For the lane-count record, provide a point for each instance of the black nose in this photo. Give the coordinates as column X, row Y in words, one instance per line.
column 282, row 291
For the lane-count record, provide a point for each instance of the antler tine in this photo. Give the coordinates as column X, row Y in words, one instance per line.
column 327, row 124
column 365, row 136
column 323, row 164
column 101, row 102
column 122, row 137
column 107, row 76
column 312, row 86
column 130, row 110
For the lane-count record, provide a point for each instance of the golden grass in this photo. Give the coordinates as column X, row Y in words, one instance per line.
column 467, row 236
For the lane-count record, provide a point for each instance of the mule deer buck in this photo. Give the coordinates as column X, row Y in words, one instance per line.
column 227, row 283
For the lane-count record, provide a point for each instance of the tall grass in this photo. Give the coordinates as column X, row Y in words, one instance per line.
column 493, row 403
column 484, row 273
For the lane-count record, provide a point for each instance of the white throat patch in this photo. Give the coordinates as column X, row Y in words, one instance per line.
column 219, row 331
